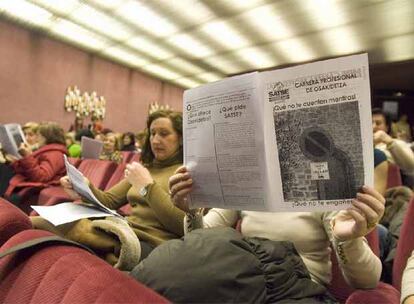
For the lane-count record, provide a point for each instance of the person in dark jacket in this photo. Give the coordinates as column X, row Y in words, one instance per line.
column 128, row 142
column 37, row 169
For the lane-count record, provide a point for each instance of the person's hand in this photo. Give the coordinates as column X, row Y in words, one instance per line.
column 11, row 158
column 137, row 175
column 361, row 218
column 382, row 137
column 180, row 185
column 68, row 187
column 25, row 149
column 409, row 300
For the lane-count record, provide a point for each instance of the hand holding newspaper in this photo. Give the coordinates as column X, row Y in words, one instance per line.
column 69, row 212
column 294, row 139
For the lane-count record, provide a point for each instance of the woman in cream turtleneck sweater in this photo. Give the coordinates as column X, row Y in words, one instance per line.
column 312, row 233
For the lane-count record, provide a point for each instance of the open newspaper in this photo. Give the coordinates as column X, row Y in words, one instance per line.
column 69, row 212
column 294, row 139
column 11, row 137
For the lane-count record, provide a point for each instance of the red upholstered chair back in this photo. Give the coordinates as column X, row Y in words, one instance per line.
column 338, row 287
column 394, row 176
column 74, row 161
column 97, row 171
column 65, row 274
column 116, row 176
column 405, row 246
column 126, row 156
column 12, row 221
column 136, row 157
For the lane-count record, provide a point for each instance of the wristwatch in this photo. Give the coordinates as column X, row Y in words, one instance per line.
column 144, row 190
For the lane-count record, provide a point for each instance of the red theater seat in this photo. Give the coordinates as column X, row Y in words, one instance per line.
column 136, row 157
column 74, row 161
column 394, row 176
column 97, row 171
column 64, row 274
column 12, row 220
column 345, row 294
column 116, row 176
column 127, row 156
column 405, row 246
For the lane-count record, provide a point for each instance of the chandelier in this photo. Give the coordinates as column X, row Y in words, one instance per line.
column 86, row 104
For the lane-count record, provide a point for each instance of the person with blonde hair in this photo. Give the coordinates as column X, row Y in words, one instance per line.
column 111, row 148
column 30, row 133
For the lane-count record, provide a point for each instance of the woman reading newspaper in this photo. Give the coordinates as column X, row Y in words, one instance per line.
column 154, row 219
column 311, row 233
column 36, row 169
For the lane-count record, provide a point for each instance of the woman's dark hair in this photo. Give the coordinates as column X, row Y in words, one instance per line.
column 378, row 111
column 131, row 138
column 176, row 118
column 52, row 132
column 83, row 132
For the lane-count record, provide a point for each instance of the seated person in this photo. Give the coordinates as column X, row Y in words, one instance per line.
column 128, row 142
column 74, row 149
column 344, row 230
column 407, row 284
column 36, row 169
column 154, row 218
column 73, row 142
column 110, row 149
column 397, row 151
column 140, row 139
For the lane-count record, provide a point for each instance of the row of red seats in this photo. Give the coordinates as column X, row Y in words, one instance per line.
column 103, row 174
column 59, row 273
column 42, row 275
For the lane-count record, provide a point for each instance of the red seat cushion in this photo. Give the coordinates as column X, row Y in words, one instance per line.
column 394, row 176
column 65, row 274
column 384, row 293
column 405, row 246
column 12, row 221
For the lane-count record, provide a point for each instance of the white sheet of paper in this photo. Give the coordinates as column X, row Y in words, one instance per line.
column 91, row 148
column 82, row 188
column 68, row 212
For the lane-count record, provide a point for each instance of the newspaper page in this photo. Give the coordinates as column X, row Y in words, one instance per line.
column 91, row 148
column 11, row 137
column 318, row 133
column 223, row 144
column 81, row 187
